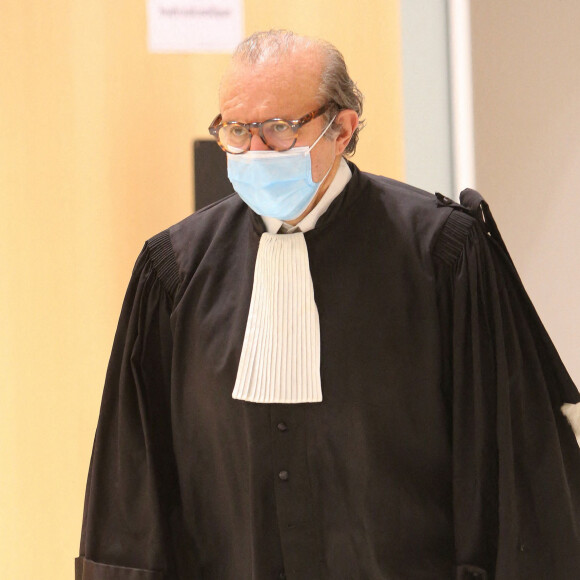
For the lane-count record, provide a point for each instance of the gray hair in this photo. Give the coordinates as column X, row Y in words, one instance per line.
column 336, row 86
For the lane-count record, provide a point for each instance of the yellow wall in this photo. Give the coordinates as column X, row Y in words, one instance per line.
column 95, row 146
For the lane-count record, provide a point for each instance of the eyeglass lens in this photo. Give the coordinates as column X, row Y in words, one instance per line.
column 279, row 135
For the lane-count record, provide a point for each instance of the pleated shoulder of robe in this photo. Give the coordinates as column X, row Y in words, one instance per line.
column 438, row 451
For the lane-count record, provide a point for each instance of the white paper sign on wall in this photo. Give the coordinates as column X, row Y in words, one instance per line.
column 189, row 26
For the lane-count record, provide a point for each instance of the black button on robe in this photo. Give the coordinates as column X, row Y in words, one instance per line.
column 439, row 450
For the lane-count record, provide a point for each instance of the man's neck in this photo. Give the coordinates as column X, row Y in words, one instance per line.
column 338, row 183
column 319, row 194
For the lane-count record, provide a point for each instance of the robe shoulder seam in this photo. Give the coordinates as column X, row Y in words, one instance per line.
column 453, row 237
column 162, row 257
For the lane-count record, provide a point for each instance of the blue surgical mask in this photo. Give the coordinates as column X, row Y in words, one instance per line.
column 276, row 184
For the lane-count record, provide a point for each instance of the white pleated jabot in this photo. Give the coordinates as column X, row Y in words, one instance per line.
column 280, row 360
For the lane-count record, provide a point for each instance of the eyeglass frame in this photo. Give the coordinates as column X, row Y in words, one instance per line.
column 294, row 124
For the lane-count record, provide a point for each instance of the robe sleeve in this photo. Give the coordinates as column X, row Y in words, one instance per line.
column 131, row 491
column 516, row 462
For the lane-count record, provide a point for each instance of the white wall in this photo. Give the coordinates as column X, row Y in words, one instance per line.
column 427, row 115
column 526, row 71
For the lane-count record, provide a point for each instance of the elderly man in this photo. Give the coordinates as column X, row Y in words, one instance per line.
column 328, row 375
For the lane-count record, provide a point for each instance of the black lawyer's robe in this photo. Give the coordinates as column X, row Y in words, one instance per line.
column 439, row 450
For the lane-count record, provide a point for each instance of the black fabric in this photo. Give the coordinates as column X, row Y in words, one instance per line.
column 471, row 573
column 87, row 570
column 439, row 449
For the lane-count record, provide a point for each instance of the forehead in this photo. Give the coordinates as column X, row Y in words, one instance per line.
column 285, row 88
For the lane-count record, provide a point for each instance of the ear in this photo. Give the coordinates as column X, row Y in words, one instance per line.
column 348, row 121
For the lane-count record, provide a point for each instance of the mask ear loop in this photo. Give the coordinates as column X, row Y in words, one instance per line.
column 321, row 134
column 311, row 147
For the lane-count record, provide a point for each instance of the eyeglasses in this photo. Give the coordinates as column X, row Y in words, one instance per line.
column 277, row 134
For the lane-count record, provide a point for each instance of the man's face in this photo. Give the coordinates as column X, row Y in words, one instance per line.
column 287, row 90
